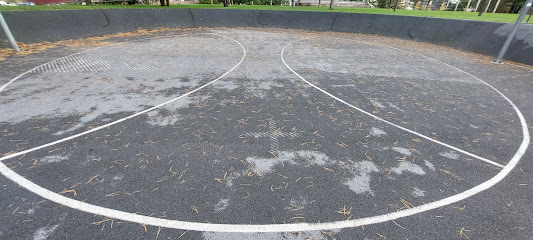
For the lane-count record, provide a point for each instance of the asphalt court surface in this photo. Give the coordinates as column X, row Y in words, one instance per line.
column 248, row 128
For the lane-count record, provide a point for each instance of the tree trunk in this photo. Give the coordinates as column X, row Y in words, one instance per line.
column 481, row 11
column 396, row 5
column 270, row 2
column 292, row 3
column 211, row 1
column 331, row 4
column 162, row 2
column 88, row 2
column 319, row 3
column 226, row 3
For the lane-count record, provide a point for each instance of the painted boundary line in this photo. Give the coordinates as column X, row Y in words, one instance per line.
column 131, row 217
column 390, row 123
column 122, row 119
column 446, row 201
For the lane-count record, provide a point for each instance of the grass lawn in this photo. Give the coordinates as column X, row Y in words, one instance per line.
column 494, row 17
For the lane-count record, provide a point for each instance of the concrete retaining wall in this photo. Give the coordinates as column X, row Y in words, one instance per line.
column 475, row 36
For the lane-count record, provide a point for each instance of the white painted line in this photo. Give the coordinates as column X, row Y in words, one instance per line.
column 383, row 120
column 131, row 217
column 446, row 201
column 126, row 118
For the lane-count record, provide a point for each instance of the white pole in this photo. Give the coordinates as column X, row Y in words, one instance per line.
column 487, row 7
column 496, row 7
column 8, row 33
column 477, row 5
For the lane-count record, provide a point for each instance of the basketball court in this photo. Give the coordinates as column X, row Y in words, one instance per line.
column 265, row 134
